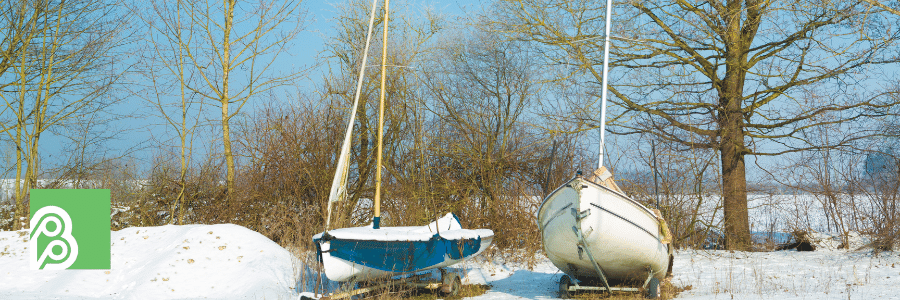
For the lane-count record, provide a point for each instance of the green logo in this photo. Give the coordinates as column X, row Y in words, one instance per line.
column 70, row 229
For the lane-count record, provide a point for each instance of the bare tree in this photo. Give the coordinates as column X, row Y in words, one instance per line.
column 165, row 68
column 235, row 52
column 883, row 6
column 60, row 54
column 729, row 76
column 681, row 183
column 480, row 90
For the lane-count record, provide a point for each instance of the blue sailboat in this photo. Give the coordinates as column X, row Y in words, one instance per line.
column 373, row 252
column 366, row 253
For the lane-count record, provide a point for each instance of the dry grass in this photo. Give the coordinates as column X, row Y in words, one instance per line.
column 7, row 216
column 403, row 291
column 469, row 290
column 667, row 291
column 670, row 291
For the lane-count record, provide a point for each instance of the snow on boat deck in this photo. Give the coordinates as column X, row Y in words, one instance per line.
column 388, row 234
column 447, row 227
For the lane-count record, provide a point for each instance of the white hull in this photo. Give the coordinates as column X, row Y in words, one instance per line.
column 623, row 236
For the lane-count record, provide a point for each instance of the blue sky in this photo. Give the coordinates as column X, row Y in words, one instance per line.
column 321, row 14
column 140, row 131
column 310, row 43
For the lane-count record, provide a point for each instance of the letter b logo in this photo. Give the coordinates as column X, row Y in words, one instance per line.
column 70, row 229
column 52, row 223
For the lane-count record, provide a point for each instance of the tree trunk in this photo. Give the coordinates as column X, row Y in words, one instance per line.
column 731, row 127
column 19, row 194
column 734, row 191
column 225, row 99
column 19, row 188
column 734, row 179
column 229, row 157
column 182, row 182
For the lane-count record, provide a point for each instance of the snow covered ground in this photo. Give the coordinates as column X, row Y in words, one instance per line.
column 782, row 275
column 232, row 262
column 167, row 262
column 787, row 275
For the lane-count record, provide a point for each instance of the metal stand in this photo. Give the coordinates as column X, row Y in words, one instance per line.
column 582, row 244
column 449, row 285
column 568, row 286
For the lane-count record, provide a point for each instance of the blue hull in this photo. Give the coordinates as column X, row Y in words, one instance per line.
column 365, row 253
column 400, row 256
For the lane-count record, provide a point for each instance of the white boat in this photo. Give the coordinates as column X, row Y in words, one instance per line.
column 591, row 230
column 595, row 234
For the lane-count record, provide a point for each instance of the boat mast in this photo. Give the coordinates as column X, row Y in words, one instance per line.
column 605, row 71
column 338, row 185
column 376, row 221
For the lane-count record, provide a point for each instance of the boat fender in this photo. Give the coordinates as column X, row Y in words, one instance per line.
column 664, row 231
column 665, row 234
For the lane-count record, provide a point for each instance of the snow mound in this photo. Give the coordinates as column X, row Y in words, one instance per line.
column 167, row 262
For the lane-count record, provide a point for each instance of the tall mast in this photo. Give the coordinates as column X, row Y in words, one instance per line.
column 605, row 72
column 376, row 222
column 338, row 185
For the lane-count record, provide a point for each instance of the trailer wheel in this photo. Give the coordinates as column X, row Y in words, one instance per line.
column 564, row 283
column 653, row 288
column 451, row 284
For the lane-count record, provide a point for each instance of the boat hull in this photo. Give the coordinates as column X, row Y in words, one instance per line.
column 362, row 265
column 364, row 254
column 623, row 236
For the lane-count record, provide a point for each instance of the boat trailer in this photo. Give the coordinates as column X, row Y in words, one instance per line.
column 448, row 285
column 568, row 286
